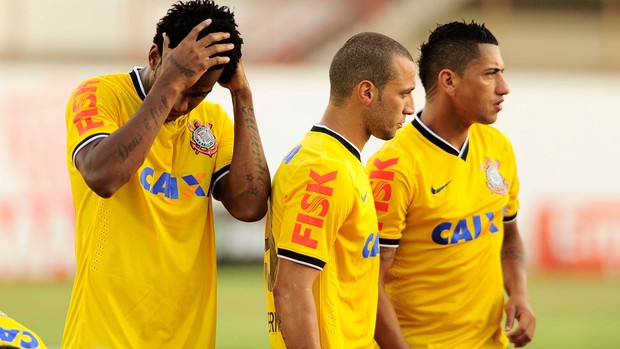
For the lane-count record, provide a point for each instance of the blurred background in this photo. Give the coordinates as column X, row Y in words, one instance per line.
column 562, row 62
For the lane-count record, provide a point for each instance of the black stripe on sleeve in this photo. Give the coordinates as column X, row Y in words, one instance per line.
column 389, row 242
column 301, row 259
column 510, row 218
column 86, row 141
column 216, row 177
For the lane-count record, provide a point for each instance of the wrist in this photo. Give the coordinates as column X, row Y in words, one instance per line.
column 241, row 92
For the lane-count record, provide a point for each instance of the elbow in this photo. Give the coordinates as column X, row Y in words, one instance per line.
column 105, row 186
column 103, row 192
column 251, row 212
column 278, row 297
column 245, row 204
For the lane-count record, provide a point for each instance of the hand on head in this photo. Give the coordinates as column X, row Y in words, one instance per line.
column 238, row 82
column 192, row 57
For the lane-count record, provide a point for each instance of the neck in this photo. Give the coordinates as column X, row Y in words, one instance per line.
column 147, row 75
column 446, row 124
column 346, row 123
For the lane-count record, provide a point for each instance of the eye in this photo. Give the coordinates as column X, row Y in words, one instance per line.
column 493, row 72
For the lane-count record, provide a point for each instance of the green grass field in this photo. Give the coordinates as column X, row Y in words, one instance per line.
column 572, row 312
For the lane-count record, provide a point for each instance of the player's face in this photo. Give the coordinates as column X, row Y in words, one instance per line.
column 190, row 98
column 388, row 112
column 481, row 90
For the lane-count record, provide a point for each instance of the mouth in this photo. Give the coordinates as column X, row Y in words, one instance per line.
column 499, row 106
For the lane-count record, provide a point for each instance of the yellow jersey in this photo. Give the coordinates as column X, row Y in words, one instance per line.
column 146, row 264
column 322, row 216
column 443, row 209
column 17, row 335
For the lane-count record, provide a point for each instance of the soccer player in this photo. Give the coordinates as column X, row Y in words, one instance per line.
column 445, row 191
column 322, row 243
column 14, row 335
column 146, row 153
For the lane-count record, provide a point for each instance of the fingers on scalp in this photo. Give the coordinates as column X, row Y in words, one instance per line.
column 166, row 41
column 199, row 27
column 219, row 48
column 214, row 37
column 219, row 60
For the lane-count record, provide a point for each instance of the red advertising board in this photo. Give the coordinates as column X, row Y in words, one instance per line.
column 583, row 236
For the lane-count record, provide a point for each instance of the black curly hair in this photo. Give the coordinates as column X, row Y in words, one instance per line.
column 182, row 17
column 451, row 46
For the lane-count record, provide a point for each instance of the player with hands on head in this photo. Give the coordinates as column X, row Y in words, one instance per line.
column 322, row 242
column 446, row 192
column 146, row 153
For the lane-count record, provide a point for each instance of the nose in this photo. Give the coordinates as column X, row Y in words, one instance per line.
column 502, row 86
column 409, row 108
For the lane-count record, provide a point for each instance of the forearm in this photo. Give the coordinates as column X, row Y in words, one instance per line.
column 109, row 164
column 248, row 182
column 297, row 315
column 387, row 330
column 517, row 307
column 513, row 265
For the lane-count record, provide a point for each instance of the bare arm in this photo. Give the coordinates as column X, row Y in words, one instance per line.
column 108, row 164
column 517, row 307
column 387, row 329
column 295, row 305
column 245, row 189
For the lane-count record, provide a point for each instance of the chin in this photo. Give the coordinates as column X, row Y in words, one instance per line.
column 386, row 136
column 488, row 119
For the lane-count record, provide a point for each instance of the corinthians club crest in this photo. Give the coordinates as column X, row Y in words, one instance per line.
column 202, row 140
column 495, row 182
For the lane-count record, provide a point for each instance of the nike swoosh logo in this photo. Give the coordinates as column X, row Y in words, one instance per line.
column 435, row 191
column 364, row 197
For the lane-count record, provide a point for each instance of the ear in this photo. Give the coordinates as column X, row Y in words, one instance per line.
column 154, row 57
column 366, row 92
column 447, row 81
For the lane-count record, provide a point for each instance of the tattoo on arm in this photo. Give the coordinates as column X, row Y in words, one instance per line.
column 185, row 71
column 386, row 254
column 513, row 253
column 257, row 150
column 125, row 149
column 156, row 112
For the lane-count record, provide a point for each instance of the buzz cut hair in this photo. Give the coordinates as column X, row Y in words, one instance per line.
column 365, row 56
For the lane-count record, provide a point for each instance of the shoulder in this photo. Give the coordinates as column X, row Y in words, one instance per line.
column 489, row 131
column 312, row 161
column 490, row 134
column 399, row 152
column 105, row 85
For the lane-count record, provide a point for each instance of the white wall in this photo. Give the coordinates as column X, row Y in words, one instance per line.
column 563, row 126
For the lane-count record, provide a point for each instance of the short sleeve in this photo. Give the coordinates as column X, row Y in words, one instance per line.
column 317, row 201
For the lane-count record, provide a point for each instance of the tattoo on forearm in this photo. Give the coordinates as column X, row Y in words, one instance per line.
column 125, row 149
column 513, row 253
column 185, row 71
column 386, row 253
column 156, row 113
column 256, row 150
